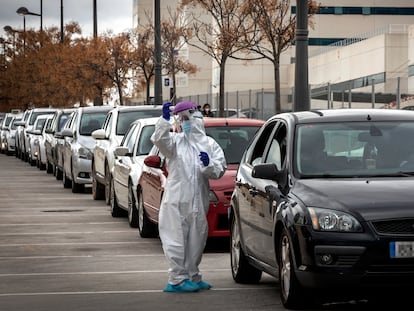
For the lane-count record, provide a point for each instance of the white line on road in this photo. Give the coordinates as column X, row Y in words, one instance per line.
column 129, row 291
column 75, row 243
column 99, row 272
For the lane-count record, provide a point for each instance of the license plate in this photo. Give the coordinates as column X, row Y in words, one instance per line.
column 402, row 249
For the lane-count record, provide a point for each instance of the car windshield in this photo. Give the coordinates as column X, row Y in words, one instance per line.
column 40, row 123
column 125, row 118
column 91, row 122
column 34, row 115
column 145, row 144
column 232, row 139
column 354, row 149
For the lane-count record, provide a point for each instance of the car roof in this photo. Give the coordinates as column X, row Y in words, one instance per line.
column 95, row 108
column 137, row 108
column 232, row 122
column 147, row 121
column 346, row 115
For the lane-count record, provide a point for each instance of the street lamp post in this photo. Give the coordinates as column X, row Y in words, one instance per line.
column 157, row 69
column 24, row 11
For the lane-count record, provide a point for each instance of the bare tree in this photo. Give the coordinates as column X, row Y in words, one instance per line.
column 173, row 32
column 142, row 56
column 272, row 31
column 219, row 37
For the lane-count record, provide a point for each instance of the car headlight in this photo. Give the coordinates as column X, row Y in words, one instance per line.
column 85, row 153
column 332, row 220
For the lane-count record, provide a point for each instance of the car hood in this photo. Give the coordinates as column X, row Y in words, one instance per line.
column 226, row 181
column 373, row 198
column 87, row 141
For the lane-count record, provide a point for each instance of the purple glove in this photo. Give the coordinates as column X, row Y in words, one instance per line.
column 204, row 158
column 166, row 111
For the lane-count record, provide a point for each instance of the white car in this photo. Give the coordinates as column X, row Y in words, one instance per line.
column 108, row 138
column 35, row 136
column 4, row 128
column 39, row 138
column 128, row 166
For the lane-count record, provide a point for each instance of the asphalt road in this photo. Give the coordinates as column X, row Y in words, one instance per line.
column 64, row 251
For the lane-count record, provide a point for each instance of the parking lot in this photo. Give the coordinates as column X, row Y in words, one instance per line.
column 64, row 251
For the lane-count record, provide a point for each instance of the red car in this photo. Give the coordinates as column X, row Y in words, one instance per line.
column 233, row 135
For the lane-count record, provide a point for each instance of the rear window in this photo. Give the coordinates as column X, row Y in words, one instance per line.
column 125, row 118
column 233, row 140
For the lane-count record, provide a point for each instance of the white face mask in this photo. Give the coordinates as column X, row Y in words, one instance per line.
column 186, row 126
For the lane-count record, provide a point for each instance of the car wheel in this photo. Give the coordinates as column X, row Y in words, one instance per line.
column 58, row 173
column 132, row 209
column 146, row 228
column 67, row 183
column 49, row 167
column 291, row 292
column 116, row 211
column 98, row 190
column 108, row 185
column 242, row 271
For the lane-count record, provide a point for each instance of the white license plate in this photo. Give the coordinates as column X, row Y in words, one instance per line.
column 402, row 249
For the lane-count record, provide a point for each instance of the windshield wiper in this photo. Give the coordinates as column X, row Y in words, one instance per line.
column 397, row 174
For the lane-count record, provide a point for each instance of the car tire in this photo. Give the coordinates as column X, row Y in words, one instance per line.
column 67, row 183
column 98, row 190
column 292, row 293
column 132, row 209
column 242, row 271
column 58, row 173
column 116, row 211
column 49, row 167
column 108, row 185
column 146, row 228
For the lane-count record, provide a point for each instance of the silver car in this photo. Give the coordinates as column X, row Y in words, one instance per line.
column 39, row 137
column 108, row 138
column 79, row 144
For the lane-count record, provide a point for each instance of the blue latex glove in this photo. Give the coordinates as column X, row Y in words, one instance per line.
column 166, row 111
column 204, row 158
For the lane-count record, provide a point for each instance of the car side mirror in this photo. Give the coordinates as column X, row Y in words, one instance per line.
column 268, row 171
column 121, row 151
column 67, row 133
column 58, row 135
column 99, row 134
column 49, row 131
column 153, row 161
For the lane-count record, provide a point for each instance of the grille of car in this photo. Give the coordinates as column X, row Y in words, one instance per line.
column 399, row 226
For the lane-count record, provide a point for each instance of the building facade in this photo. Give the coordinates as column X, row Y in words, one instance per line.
column 355, row 48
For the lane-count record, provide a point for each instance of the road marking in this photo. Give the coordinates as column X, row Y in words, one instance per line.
column 99, row 272
column 58, row 223
column 129, row 291
column 64, row 232
column 75, row 243
column 80, row 256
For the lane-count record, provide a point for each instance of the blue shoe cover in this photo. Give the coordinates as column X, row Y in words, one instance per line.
column 185, row 287
column 203, row 285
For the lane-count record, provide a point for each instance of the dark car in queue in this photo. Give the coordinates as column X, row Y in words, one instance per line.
column 233, row 135
column 324, row 202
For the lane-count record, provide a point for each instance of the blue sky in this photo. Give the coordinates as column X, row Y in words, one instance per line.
column 115, row 15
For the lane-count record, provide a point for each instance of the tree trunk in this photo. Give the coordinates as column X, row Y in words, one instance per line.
column 276, row 68
column 222, row 90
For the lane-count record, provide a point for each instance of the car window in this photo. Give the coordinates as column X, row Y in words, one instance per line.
column 255, row 152
column 91, row 121
column 277, row 148
column 13, row 125
column 130, row 137
column 145, row 144
column 108, row 124
column 354, row 149
column 125, row 118
column 232, row 139
column 63, row 119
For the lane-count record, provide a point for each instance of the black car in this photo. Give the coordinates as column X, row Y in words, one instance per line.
column 324, row 201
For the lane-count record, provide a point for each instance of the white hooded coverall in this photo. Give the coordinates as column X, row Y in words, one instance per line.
column 183, row 227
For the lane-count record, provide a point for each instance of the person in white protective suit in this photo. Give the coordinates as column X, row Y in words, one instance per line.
column 193, row 158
